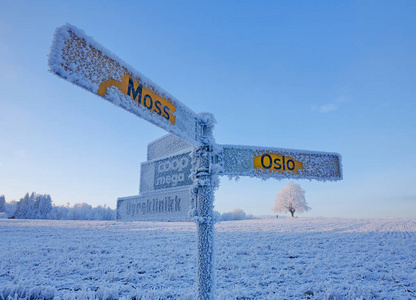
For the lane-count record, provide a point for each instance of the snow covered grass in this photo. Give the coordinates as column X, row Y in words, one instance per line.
column 256, row 259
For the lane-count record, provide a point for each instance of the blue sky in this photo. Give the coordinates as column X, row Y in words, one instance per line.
column 335, row 76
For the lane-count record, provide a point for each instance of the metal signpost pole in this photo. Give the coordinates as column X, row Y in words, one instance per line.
column 204, row 220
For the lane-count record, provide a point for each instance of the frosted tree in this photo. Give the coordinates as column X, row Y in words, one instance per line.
column 292, row 199
column 2, row 204
column 10, row 208
column 34, row 207
column 24, row 207
column 43, row 206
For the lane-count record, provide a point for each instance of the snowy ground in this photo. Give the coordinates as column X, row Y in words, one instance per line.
column 256, row 259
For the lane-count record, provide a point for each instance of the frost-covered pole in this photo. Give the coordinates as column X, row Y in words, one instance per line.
column 204, row 186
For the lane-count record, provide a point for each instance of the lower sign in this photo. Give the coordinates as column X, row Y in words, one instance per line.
column 168, row 205
column 280, row 163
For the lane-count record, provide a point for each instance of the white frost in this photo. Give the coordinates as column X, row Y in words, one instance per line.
column 255, row 259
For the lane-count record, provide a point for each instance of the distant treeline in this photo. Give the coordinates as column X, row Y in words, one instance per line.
column 36, row 206
column 235, row 214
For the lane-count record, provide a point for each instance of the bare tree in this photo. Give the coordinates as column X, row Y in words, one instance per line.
column 291, row 198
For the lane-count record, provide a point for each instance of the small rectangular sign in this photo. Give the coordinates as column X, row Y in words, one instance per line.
column 79, row 59
column 167, row 145
column 166, row 205
column 280, row 163
column 169, row 172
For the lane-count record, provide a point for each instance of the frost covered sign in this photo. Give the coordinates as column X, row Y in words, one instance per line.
column 164, row 184
column 168, row 165
column 166, row 205
column 170, row 172
column 280, row 163
column 79, row 59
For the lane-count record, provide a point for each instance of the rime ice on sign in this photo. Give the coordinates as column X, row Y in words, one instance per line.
column 280, row 163
column 164, row 184
column 166, row 145
column 170, row 172
column 165, row 205
column 168, row 165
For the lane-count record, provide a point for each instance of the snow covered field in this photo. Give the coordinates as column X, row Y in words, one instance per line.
column 256, row 259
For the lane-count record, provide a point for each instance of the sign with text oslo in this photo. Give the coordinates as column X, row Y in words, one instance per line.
column 280, row 163
column 79, row 59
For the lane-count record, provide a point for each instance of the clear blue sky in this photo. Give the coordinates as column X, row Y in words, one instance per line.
column 337, row 76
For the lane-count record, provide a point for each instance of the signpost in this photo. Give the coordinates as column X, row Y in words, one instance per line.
column 173, row 162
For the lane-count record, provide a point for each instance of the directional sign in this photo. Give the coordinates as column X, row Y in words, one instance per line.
column 166, row 205
column 166, row 173
column 164, row 183
column 79, row 59
column 280, row 163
